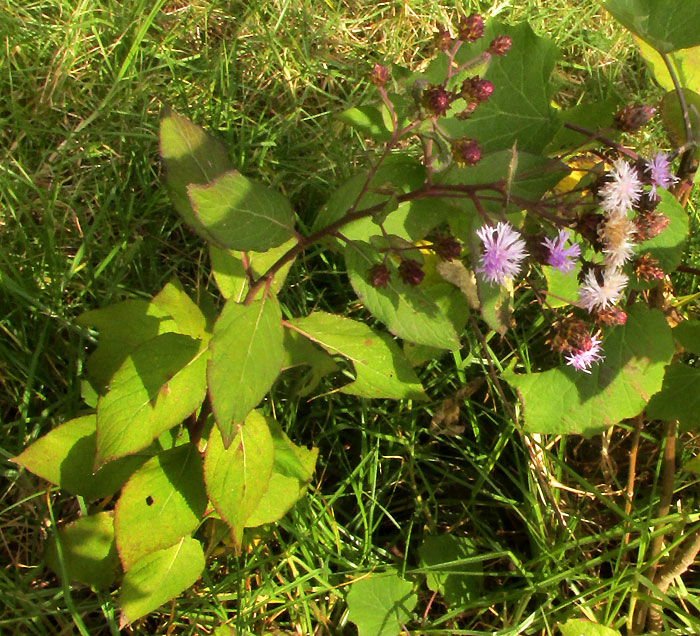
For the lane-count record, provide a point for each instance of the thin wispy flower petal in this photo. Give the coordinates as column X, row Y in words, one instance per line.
column 622, row 191
column 582, row 359
column 504, row 250
column 617, row 234
column 560, row 257
column 594, row 295
column 659, row 171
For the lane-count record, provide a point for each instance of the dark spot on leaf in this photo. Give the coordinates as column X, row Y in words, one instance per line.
column 149, row 500
column 367, row 342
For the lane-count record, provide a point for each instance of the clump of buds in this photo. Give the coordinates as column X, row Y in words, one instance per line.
column 442, row 39
column 379, row 275
column 475, row 89
column 631, row 118
column 611, row 316
column 649, row 224
column 410, row 272
column 570, row 334
column 471, row 28
column 500, row 45
column 446, row 247
column 436, row 100
column 588, row 225
column 647, row 268
column 465, row 151
column 379, row 75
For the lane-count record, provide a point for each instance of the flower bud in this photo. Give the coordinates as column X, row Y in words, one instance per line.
column 410, row 272
column 570, row 333
column 436, row 100
column 611, row 316
column 380, row 75
column 631, row 118
column 442, row 39
column 446, row 247
column 647, row 268
column 500, row 45
column 649, row 224
column 379, row 275
column 476, row 89
column 465, row 151
column 470, row 29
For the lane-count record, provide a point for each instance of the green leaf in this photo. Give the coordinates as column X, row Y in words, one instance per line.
column 566, row 401
column 237, row 477
column 562, row 289
column 591, row 116
column 65, row 457
column 88, row 551
column 687, row 334
column 458, row 581
column 161, row 383
column 367, row 120
column 159, row 577
column 406, row 311
column 381, row 369
column 190, row 155
column 685, row 63
column 161, row 503
column 667, row 247
column 292, row 470
column 300, row 351
column 380, row 604
column 174, row 301
column 666, row 27
column 246, row 358
column 672, row 116
column 519, row 110
column 583, row 627
column 679, row 398
column 242, row 214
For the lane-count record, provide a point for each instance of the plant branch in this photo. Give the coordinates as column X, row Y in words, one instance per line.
column 606, row 140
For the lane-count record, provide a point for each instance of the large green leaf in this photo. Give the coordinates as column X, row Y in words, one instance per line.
column 679, row 398
column 666, row 26
column 592, row 116
column 367, row 120
column 88, row 552
column 161, row 503
column 407, row 311
column 566, row 401
column 160, row 383
column 65, row 457
column 190, row 155
column 246, row 358
column 519, row 110
column 380, row 604
column 583, row 627
column 242, row 214
column 159, row 577
column 174, row 301
column 300, row 351
column 687, row 334
column 381, row 369
column 685, row 64
column 672, row 116
column 237, row 477
column 667, row 247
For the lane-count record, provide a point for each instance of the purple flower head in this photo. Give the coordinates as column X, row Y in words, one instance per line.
column 659, row 171
column 504, row 249
column 560, row 257
column 582, row 359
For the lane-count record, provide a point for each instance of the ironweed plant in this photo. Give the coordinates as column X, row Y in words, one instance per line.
column 482, row 193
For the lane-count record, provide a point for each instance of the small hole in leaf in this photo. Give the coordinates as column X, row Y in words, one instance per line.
column 149, row 500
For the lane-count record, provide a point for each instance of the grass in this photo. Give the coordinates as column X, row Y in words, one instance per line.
column 86, row 222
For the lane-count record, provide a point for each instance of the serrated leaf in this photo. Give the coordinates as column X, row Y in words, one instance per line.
column 160, row 383
column 566, row 401
column 667, row 247
column 456, row 580
column 190, row 155
column 161, row 503
column 237, row 477
column 406, row 311
column 679, row 398
column 88, row 551
column 242, row 214
column 583, row 627
column 381, row 369
column 159, row 577
column 380, row 604
column 300, row 351
column 246, row 358
column 687, row 334
column 174, row 301
column 519, row 110
column 65, row 457
column 667, row 28
column 367, row 120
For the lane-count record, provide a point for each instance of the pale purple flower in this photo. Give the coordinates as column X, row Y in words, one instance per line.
column 504, row 250
column 562, row 258
column 659, row 170
column 593, row 294
column 582, row 359
column 622, row 191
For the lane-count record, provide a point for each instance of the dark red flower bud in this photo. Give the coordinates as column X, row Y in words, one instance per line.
column 475, row 88
column 500, row 45
column 647, row 268
column 410, row 272
column 436, row 100
column 446, row 247
column 442, row 39
column 465, row 152
column 379, row 275
column 611, row 316
column 631, row 118
column 650, row 224
column 470, row 29
column 380, row 75
column 568, row 334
